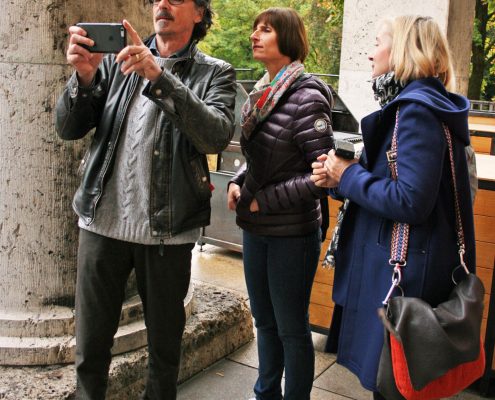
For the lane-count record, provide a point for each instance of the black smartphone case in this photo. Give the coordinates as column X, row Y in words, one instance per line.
column 108, row 37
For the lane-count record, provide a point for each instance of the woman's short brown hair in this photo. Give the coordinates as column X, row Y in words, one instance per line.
column 291, row 33
column 420, row 50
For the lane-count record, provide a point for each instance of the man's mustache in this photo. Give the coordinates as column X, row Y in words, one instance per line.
column 164, row 14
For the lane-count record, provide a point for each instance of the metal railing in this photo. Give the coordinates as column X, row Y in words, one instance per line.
column 482, row 107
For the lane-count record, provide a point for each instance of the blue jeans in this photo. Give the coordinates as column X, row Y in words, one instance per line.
column 279, row 275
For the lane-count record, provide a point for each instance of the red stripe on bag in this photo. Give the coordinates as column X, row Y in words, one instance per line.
column 447, row 385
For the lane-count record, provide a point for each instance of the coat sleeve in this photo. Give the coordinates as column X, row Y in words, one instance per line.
column 420, row 161
column 208, row 123
column 79, row 109
column 313, row 135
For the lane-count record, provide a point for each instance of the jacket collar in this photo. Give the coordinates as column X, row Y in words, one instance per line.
column 188, row 52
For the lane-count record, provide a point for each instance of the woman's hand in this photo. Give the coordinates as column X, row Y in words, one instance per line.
column 137, row 57
column 335, row 167
column 319, row 175
column 254, row 207
column 328, row 169
column 233, row 196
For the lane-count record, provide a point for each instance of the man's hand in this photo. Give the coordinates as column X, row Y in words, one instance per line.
column 137, row 57
column 84, row 62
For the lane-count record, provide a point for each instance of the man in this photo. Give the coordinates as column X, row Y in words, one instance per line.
column 158, row 107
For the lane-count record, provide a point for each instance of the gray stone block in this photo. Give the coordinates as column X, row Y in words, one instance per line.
column 219, row 324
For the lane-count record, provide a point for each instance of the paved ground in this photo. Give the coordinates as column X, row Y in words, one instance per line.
column 233, row 377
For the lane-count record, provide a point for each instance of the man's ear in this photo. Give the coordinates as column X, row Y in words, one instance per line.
column 200, row 12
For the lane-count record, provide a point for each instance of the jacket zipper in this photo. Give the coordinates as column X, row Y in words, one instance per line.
column 104, row 170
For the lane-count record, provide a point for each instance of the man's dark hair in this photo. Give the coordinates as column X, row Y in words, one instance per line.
column 201, row 28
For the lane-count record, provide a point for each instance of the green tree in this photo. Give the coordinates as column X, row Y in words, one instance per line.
column 324, row 23
column 229, row 36
column 483, row 51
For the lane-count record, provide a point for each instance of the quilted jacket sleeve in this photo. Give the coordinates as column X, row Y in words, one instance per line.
column 312, row 133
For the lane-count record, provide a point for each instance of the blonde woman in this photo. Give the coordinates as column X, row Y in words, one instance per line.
column 412, row 72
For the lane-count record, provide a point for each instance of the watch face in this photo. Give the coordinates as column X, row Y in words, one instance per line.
column 321, row 125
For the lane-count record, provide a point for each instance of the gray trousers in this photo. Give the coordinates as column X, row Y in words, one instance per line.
column 104, row 266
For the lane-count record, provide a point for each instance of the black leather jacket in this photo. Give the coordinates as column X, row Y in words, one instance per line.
column 197, row 97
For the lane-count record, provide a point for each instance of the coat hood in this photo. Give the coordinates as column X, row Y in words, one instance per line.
column 451, row 108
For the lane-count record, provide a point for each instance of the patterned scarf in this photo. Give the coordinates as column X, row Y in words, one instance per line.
column 265, row 95
column 386, row 88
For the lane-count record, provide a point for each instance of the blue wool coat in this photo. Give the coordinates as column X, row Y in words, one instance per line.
column 422, row 196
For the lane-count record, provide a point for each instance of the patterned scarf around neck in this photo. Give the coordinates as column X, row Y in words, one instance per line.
column 265, row 95
column 386, row 88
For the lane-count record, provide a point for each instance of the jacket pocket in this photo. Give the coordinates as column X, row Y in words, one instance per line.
column 201, row 178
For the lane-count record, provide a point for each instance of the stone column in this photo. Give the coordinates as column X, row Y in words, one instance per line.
column 361, row 18
column 459, row 34
column 38, row 232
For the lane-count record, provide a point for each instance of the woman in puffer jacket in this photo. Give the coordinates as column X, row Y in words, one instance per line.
column 285, row 126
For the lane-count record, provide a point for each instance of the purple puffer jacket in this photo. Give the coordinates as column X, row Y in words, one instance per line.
column 278, row 155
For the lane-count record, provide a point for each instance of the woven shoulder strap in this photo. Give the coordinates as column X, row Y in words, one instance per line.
column 400, row 232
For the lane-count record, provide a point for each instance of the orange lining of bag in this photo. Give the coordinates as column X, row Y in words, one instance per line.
column 452, row 382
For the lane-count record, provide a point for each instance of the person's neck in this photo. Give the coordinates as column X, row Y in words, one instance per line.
column 170, row 45
column 275, row 66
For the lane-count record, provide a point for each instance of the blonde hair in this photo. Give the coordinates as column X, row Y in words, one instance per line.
column 419, row 50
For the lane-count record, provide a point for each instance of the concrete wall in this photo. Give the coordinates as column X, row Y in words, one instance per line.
column 38, row 232
column 361, row 19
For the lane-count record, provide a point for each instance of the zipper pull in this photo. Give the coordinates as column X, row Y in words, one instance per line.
column 161, row 250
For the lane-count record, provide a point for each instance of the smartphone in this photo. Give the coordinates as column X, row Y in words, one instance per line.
column 108, row 37
column 344, row 149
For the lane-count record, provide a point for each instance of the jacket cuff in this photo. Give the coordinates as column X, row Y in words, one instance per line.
column 163, row 86
column 346, row 180
column 84, row 92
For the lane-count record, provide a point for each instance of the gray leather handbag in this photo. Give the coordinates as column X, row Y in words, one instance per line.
column 434, row 340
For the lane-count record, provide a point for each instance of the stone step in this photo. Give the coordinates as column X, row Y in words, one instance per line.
column 220, row 322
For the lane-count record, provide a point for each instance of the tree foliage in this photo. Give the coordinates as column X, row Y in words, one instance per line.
column 482, row 78
column 229, row 36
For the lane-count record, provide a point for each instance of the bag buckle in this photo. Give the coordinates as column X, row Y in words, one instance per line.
column 396, row 278
column 462, row 264
column 391, row 156
column 461, row 258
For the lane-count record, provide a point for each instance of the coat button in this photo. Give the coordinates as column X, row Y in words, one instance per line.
column 158, row 92
column 156, row 153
